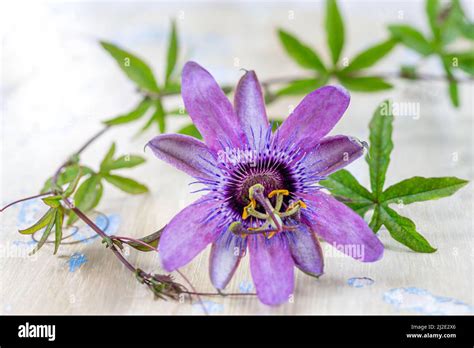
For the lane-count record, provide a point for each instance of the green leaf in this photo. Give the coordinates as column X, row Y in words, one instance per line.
column 135, row 68
column 159, row 116
column 432, row 10
column 151, row 239
column 126, row 161
column 301, row 53
column 66, row 176
column 334, row 30
column 59, row 229
column 41, row 223
column 403, row 230
column 462, row 60
column 53, row 201
column 343, row 183
column 172, row 88
column 453, row 93
column 370, row 56
column 454, row 23
column 381, row 146
column 172, row 52
column 364, row 83
column 359, row 208
column 453, row 86
column 276, row 122
column 418, row 189
column 131, row 116
column 191, row 130
column 126, row 184
column 87, row 196
column 376, row 221
column 411, row 38
column 108, row 159
column 300, row 87
column 72, row 186
column 46, row 233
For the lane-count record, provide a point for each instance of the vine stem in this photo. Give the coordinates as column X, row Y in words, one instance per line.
column 25, row 199
column 138, row 241
column 99, row 231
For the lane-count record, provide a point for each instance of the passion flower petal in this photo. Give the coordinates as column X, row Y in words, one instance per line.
column 185, row 153
column 188, row 233
column 250, row 109
column 209, row 108
column 271, row 265
column 226, row 252
column 333, row 153
column 306, row 250
column 314, row 117
column 341, row 227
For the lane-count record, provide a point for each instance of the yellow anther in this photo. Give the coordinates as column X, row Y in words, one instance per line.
column 271, row 234
column 252, row 204
column 276, row 192
column 302, row 204
column 299, row 203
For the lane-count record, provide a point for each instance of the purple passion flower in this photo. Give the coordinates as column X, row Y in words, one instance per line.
column 262, row 186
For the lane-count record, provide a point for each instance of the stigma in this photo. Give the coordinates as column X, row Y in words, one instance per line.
column 273, row 215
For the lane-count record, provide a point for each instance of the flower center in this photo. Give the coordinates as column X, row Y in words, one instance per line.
column 270, row 182
column 273, row 218
column 269, row 173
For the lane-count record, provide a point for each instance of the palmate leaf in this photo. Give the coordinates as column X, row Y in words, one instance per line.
column 433, row 11
column 381, row 146
column 46, row 232
column 462, row 60
column 190, row 130
column 300, row 87
column 135, row 68
column 343, row 183
column 126, row 184
column 418, row 189
column 159, row 116
column 347, row 189
column 403, row 230
column 109, row 157
column 65, row 177
column 300, row 52
column 41, row 223
column 58, row 228
column 334, row 30
column 364, row 83
column 126, row 161
column 452, row 83
column 411, row 38
column 139, row 111
column 370, row 56
column 87, row 196
column 376, row 221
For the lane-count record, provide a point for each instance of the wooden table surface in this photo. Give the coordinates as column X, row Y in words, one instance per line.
column 57, row 85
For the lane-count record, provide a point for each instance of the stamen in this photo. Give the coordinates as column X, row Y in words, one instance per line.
column 276, row 192
column 273, row 217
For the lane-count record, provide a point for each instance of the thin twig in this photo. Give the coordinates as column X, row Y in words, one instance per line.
column 25, row 199
column 194, row 290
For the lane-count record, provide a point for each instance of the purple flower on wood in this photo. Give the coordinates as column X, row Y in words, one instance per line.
column 262, row 186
